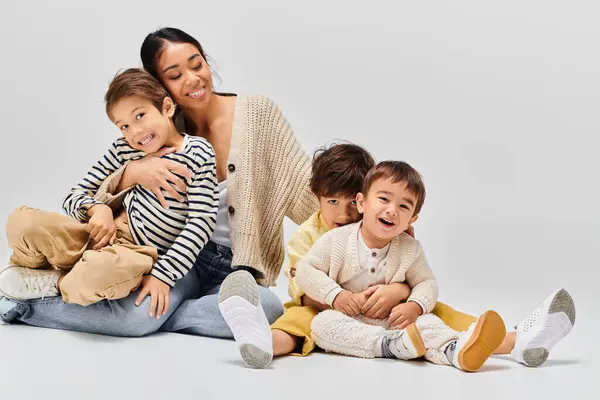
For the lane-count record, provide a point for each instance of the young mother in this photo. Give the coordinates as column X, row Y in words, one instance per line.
column 263, row 175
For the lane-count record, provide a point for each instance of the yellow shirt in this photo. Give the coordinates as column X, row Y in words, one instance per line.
column 303, row 239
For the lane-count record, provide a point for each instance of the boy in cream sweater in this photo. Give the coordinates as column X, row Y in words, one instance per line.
column 345, row 262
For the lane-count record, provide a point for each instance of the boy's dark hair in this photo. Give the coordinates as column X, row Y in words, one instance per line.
column 135, row 82
column 398, row 171
column 340, row 170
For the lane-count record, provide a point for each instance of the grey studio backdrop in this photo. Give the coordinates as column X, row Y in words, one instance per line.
column 495, row 103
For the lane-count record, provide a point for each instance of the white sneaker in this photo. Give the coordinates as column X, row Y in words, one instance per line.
column 543, row 328
column 239, row 303
column 25, row 283
column 411, row 344
column 479, row 342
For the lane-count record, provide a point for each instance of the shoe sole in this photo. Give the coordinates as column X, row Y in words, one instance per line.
column 555, row 326
column 417, row 340
column 487, row 336
column 240, row 288
column 254, row 356
column 241, row 284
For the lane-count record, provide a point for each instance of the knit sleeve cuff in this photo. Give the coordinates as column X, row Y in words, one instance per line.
column 162, row 277
column 426, row 304
column 420, row 305
column 332, row 295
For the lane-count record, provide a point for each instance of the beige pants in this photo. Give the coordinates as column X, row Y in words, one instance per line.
column 42, row 239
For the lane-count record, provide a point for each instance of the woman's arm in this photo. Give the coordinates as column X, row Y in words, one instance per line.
column 292, row 162
column 152, row 172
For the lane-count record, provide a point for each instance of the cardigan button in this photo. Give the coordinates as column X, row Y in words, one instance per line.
column 231, row 210
column 293, row 273
column 231, row 168
column 373, row 270
column 374, row 254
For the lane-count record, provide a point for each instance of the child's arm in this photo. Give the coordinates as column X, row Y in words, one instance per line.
column 422, row 282
column 312, row 274
column 203, row 203
column 313, row 277
column 81, row 198
column 298, row 246
column 423, row 295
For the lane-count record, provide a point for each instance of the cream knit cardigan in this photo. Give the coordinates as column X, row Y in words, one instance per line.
column 333, row 260
column 268, row 176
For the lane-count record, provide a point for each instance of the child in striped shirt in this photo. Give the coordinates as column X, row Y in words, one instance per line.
column 91, row 255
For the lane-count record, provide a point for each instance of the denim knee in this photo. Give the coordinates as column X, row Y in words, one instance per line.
column 271, row 304
column 132, row 321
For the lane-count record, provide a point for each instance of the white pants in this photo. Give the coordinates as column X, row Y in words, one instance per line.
column 356, row 336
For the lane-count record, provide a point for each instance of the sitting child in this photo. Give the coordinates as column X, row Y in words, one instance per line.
column 345, row 263
column 91, row 255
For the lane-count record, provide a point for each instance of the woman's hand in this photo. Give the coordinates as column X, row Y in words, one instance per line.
column 156, row 174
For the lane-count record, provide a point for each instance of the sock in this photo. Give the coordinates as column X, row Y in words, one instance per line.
column 449, row 351
column 391, row 347
column 378, row 347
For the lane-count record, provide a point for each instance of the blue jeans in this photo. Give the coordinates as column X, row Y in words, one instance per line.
column 194, row 306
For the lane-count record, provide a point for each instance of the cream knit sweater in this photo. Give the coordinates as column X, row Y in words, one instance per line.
column 268, row 178
column 333, row 260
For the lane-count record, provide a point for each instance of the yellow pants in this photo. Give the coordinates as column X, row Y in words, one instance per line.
column 296, row 321
column 42, row 239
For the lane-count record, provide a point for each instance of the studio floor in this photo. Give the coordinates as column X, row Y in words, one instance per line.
column 49, row 364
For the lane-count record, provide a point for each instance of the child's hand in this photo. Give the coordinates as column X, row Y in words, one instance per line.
column 382, row 298
column 349, row 303
column 101, row 225
column 404, row 314
column 159, row 293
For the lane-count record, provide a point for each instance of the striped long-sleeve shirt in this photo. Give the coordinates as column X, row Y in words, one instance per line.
column 178, row 233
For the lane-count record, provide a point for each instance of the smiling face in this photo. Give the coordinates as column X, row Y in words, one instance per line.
column 388, row 210
column 185, row 74
column 145, row 127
